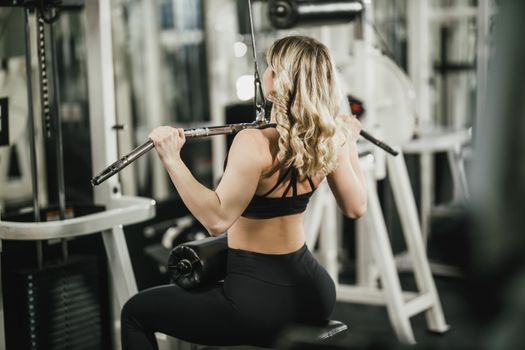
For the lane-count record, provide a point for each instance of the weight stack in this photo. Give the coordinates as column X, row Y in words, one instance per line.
column 55, row 307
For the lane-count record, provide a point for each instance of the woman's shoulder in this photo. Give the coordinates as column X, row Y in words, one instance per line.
column 251, row 138
column 254, row 140
column 258, row 144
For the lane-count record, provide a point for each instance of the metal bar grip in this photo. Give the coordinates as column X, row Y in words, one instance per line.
column 122, row 163
column 379, row 143
column 203, row 132
column 189, row 133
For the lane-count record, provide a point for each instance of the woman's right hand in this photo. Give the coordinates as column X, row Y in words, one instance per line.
column 352, row 125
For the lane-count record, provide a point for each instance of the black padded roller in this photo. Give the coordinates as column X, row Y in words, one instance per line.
column 198, row 263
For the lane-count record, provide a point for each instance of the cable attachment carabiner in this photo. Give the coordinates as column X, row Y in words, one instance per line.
column 259, row 100
column 258, row 97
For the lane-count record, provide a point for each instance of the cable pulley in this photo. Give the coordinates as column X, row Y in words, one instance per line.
column 286, row 14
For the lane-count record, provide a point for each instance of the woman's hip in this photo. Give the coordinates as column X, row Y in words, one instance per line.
column 294, row 286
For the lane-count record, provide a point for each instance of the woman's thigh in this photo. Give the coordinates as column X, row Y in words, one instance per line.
column 203, row 316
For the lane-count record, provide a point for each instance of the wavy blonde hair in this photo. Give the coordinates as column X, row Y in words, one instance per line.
column 306, row 101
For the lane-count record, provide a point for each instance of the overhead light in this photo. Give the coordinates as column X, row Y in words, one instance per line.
column 240, row 49
column 245, row 89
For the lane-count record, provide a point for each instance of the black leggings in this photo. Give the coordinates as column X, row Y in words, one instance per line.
column 261, row 294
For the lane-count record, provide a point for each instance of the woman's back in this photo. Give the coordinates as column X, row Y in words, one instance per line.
column 272, row 232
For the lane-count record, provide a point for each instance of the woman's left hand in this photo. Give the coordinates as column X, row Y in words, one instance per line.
column 168, row 142
column 353, row 127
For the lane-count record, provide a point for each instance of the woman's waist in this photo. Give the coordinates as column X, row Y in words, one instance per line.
column 268, row 236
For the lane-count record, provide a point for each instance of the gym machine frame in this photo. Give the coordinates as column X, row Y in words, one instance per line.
column 120, row 210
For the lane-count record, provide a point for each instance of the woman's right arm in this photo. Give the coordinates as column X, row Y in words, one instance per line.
column 347, row 181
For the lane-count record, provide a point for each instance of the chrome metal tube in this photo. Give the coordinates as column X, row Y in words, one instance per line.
column 379, row 143
column 31, row 126
column 203, row 132
column 189, row 133
column 57, row 121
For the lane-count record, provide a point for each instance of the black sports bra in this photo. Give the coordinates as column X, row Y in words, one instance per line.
column 263, row 207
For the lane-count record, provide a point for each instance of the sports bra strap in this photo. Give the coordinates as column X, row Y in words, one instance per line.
column 291, row 184
column 312, row 186
column 294, row 181
column 279, row 181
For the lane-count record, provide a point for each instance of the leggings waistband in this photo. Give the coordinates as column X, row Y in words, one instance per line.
column 290, row 255
column 282, row 269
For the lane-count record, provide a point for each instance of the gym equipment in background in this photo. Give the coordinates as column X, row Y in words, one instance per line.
column 285, row 14
column 116, row 210
column 13, row 88
column 199, row 263
column 392, row 91
column 56, row 307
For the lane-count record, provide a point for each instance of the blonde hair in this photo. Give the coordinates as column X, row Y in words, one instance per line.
column 306, row 101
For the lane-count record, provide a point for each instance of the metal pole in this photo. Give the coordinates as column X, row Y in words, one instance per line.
column 155, row 110
column 32, row 141
column 59, row 152
column 218, row 35
column 483, row 55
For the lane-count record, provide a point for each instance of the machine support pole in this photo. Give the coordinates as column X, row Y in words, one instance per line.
column 32, row 141
column 104, row 146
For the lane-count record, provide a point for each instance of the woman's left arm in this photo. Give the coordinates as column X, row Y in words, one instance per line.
column 215, row 210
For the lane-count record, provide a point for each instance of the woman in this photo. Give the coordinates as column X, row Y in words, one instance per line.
column 272, row 279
